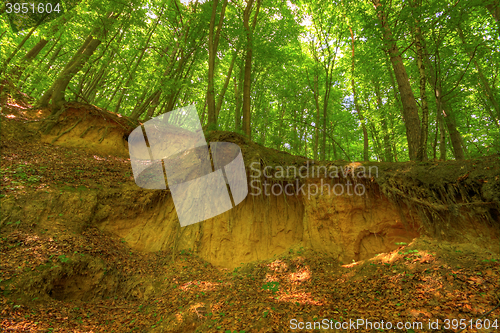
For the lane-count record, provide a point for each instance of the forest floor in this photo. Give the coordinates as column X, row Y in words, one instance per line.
column 49, row 271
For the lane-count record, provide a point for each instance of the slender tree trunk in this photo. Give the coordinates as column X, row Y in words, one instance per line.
column 52, row 59
column 326, row 98
column 248, row 64
column 90, row 89
column 21, row 81
column 455, row 136
column 212, row 52
column 226, row 84
column 151, row 102
column 86, row 79
column 154, row 105
column 434, row 145
column 442, row 138
column 422, row 153
column 213, row 43
column 316, row 122
column 203, row 113
column 356, row 105
column 376, row 142
column 237, row 94
column 398, row 106
column 386, row 136
column 323, row 136
column 375, row 139
column 110, row 99
column 410, row 109
column 447, row 113
column 18, row 47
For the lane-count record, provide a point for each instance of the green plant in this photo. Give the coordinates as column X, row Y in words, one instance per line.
column 63, row 258
column 272, row 286
column 34, row 179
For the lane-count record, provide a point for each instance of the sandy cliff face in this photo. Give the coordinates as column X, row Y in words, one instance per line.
column 349, row 227
column 356, row 227
column 345, row 226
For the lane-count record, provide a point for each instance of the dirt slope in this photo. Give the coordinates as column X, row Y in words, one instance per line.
column 84, row 250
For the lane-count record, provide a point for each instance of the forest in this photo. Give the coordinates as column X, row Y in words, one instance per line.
column 370, row 80
column 368, row 133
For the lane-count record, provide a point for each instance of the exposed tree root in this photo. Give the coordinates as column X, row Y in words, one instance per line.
column 51, row 121
column 60, row 121
column 85, row 132
column 419, row 201
column 66, row 131
column 105, row 133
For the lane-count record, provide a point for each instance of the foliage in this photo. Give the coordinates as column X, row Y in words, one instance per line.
column 152, row 59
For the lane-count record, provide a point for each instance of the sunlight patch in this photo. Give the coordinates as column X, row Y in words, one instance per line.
column 300, row 276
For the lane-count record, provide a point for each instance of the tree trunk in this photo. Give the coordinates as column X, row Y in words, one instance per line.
column 316, row 122
column 410, row 110
column 434, row 145
column 442, row 138
column 248, row 64
column 213, row 43
column 445, row 110
column 154, row 105
column 356, row 105
column 90, row 89
column 387, row 139
column 18, row 47
column 237, row 94
column 375, row 137
column 226, row 84
column 422, row 153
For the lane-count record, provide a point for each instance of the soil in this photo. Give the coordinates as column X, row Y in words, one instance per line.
column 62, row 272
